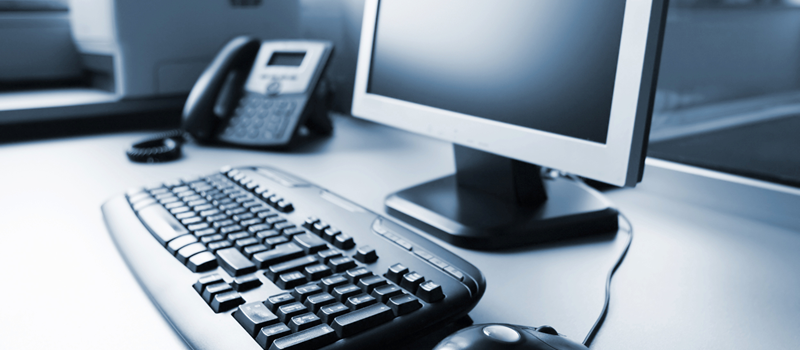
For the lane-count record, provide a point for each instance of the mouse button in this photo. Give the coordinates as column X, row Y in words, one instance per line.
column 556, row 341
column 547, row 330
column 502, row 333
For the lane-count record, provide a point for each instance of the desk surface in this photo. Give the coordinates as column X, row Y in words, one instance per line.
column 713, row 264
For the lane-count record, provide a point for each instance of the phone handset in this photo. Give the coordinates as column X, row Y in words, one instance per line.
column 200, row 117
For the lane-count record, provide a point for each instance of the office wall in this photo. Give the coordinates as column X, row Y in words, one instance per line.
column 715, row 53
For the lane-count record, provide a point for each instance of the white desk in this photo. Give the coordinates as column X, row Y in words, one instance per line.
column 714, row 264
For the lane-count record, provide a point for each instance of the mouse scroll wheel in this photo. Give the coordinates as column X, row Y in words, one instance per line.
column 547, row 330
column 502, row 333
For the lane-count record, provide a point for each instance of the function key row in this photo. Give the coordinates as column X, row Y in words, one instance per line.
column 424, row 255
column 272, row 198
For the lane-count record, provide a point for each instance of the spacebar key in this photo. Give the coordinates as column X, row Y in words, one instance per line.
column 162, row 224
column 312, row 338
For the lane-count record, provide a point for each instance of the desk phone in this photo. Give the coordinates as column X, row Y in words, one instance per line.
column 258, row 94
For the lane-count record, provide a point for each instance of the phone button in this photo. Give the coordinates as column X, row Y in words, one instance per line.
column 274, row 87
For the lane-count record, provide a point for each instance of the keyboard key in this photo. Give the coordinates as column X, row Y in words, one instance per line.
column 185, row 215
column 330, row 234
column 396, row 272
column 276, row 301
column 226, row 301
column 311, row 244
column 230, row 229
column 245, row 242
column 286, row 312
column 245, row 283
column 341, row 264
column 344, row 241
column 330, row 312
column 312, row 338
column 293, row 231
column 438, row 263
column 214, row 246
column 283, row 226
column 302, row 292
column 274, row 241
column 404, row 304
column 455, row 273
column 272, row 221
column 251, row 204
column 233, row 237
column 233, row 262
column 212, row 238
column 213, row 289
column 353, row 275
column 223, row 223
column 218, row 217
column 188, row 251
column 205, row 232
column 345, row 291
column 303, row 322
column 360, row 320
column 262, row 235
column 201, row 262
column 367, row 284
column 250, row 222
column 254, row 316
column 317, row 301
column 204, row 281
column 278, row 254
column 309, row 223
column 162, row 225
column 319, row 226
column 261, row 209
column 360, row 301
column 430, row 292
column 366, row 254
column 384, row 293
column 326, row 255
column 250, row 250
column 328, row 283
column 198, row 226
column 269, row 334
column 410, row 281
column 316, row 271
column 180, row 242
column 178, row 210
column 290, row 280
column 173, row 205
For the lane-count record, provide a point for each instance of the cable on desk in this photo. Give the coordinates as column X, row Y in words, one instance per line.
column 593, row 332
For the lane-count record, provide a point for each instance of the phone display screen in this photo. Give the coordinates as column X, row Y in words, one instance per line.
column 291, row 59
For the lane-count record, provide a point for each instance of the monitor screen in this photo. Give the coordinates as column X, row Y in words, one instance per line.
column 548, row 65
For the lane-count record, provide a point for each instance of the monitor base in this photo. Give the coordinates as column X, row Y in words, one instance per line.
column 477, row 220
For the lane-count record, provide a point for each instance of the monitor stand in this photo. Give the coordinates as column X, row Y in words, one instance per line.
column 493, row 202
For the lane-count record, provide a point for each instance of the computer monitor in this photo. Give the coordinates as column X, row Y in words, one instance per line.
column 515, row 85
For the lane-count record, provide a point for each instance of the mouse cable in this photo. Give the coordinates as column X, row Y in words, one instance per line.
column 593, row 332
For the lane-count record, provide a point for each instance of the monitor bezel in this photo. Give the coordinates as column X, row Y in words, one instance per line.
column 618, row 161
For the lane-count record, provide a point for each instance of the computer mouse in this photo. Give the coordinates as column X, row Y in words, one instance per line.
column 500, row 336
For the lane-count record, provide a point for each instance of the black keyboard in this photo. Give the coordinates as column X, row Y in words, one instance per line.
column 255, row 258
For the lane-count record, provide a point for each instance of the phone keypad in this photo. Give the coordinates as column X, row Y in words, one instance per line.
column 261, row 118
